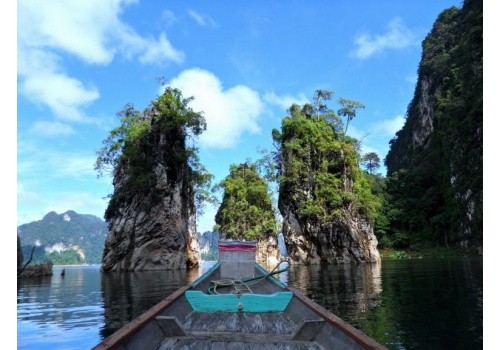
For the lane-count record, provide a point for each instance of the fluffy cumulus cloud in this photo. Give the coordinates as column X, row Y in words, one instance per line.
column 398, row 36
column 229, row 112
column 50, row 31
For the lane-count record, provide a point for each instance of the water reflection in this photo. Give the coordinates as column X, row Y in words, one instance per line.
column 126, row 295
column 347, row 289
column 403, row 304
column 55, row 309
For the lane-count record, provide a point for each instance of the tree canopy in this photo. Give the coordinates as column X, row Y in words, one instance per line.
column 318, row 165
column 246, row 210
column 371, row 161
column 128, row 145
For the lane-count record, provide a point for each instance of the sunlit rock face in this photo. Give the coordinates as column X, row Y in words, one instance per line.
column 154, row 229
column 348, row 238
column 267, row 253
column 343, row 241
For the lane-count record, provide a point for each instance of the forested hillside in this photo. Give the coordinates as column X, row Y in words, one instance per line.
column 434, row 187
column 67, row 238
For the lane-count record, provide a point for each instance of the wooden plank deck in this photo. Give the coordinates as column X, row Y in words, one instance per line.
column 213, row 344
column 243, row 330
column 270, row 323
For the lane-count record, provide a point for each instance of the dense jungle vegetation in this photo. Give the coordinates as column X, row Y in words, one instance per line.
column 246, row 210
column 433, row 192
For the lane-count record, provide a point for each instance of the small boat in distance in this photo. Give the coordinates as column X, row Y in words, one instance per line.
column 238, row 304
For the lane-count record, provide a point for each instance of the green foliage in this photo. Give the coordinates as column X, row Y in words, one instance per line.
column 129, row 147
column 348, row 109
column 317, row 165
column 210, row 256
column 435, row 184
column 66, row 257
column 399, row 254
column 246, row 209
column 371, row 161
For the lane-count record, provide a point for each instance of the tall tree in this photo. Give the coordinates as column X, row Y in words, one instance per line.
column 371, row 161
column 349, row 110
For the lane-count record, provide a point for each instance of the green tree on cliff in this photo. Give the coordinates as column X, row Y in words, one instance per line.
column 435, row 183
column 127, row 144
column 246, row 209
column 317, row 164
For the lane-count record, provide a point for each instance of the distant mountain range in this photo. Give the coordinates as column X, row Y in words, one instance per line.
column 72, row 238
column 67, row 238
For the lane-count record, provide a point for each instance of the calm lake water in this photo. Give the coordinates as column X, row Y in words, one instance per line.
column 403, row 304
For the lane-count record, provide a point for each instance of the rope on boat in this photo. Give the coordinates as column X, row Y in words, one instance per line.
column 243, row 286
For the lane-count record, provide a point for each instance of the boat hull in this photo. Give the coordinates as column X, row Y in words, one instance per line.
column 268, row 315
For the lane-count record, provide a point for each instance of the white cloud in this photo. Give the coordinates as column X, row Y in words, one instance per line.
column 91, row 30
column 65, row 96
column 229, row 113
column 24, row 196
column 44, row 177
column 159, row 51
column 74, row 166
column 202, row 19
column 374, row 137
column 388, row 126
column 81, row 28
column 285, row 101
column 50, row 129
column 35, row 162
column 206, row 221
column 398, row 36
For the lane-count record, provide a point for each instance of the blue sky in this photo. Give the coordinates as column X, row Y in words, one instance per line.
column 245, row 62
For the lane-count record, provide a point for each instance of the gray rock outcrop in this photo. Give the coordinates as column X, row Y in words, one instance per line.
column 342, row 241
column 153, row 228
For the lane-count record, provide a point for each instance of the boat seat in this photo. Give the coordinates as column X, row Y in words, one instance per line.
column 307, row 330
column 170, row 326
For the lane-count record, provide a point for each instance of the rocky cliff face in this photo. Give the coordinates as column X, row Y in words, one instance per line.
column 440, row 147
column 267, row 253
column 324, row 198
column 346, row 240
column 154, row 229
